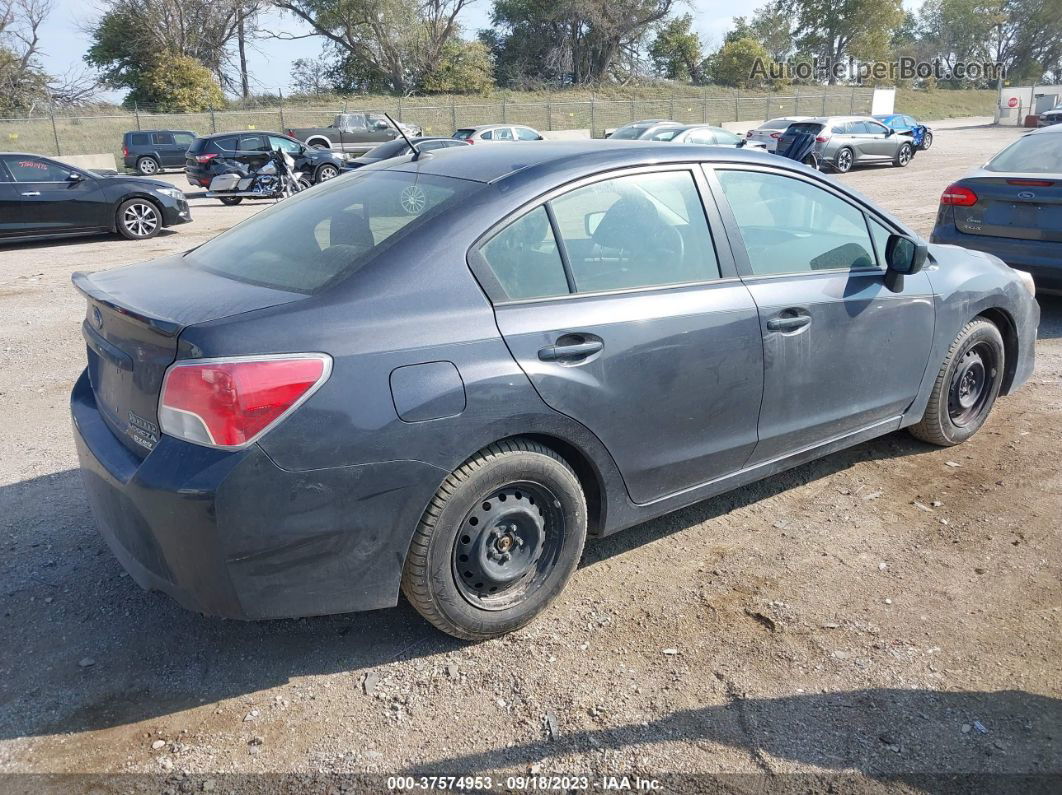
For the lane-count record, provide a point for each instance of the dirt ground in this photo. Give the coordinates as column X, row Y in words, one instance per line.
column 887, row 618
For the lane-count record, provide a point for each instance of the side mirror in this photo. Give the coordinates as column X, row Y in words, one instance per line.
column 382, row 125
column 889, row 132
column 591, row 221
column 903, row 257
column 74, row 176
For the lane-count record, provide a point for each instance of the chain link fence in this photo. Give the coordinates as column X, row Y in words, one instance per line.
column 60, row 135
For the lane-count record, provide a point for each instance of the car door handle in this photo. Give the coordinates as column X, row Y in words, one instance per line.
column 568, row 352
column 788, row 322
column 32, row 193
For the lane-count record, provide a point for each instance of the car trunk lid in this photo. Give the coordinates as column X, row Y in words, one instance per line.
column 132, row 326
column 1026, row 208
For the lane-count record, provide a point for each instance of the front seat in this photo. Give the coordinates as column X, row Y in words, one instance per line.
column 651, row 250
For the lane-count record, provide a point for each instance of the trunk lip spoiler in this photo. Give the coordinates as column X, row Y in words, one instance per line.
column 82, row 281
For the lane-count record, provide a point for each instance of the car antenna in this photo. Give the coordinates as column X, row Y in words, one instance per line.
column 417, row 154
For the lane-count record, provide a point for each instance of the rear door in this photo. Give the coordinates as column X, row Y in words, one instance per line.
column 166, row 148
column 52, row 202
column 842, row 353
column 182, row 141
column 253, row 150
column 615, row 303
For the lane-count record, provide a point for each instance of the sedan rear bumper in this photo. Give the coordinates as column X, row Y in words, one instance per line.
column 1041, row 258
column 232, row 534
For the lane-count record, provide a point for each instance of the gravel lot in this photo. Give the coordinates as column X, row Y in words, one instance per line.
column 891, row 612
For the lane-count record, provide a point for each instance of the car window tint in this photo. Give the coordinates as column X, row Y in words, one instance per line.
column 806, row 127
column 253, row 143
column 488, row 135
column 162, row 139
column 503, row 134
column 791, row 226
column 138, row 139
column 629, row 133
column 183, row 139
column 641, row 230
column 881, row 238
column 311, row 240
column 34, row 169
column 1038, row 153
column 838, row 129
column 853, row 128
column 377, row 121
column 700, row 137
column 525, row 134
column 463, row 134
column 525, row 260
column 874, row 127
column 725, row 137
column 226, row 144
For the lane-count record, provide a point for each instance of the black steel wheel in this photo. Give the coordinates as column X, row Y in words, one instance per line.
column 498, row 542
column 966, row 386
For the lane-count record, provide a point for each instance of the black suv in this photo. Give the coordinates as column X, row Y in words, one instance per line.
column 150, row 151
column 251, row 148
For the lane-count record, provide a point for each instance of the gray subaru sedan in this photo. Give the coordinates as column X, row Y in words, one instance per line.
column 438, row 375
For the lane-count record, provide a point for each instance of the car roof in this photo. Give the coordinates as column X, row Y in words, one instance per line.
column 566, row 158
column 481, row 127
column 1053, row 129
column 245, row 132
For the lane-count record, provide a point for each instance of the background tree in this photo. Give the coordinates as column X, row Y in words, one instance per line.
column 837, row 29
column 464, row 67
column 676, row 50
column 771, row 25
column 179, row 84
column 732, row 64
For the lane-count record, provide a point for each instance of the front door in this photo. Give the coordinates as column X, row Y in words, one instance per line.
column 11, row 216
column 842, row 352
column 615, row 304
column 55, row 198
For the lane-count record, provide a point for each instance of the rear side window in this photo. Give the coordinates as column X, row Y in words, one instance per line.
column 138, row 139
column 502, row 134
column 642, row 230
column 318, row 237
column 791, row 226
column 525, row 260
column 162, row 139
column 629, row 133
column 222, row 145
column 488, row 135
column 254, row 143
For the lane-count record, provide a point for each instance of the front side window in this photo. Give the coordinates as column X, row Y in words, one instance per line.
column 34, row 169
column 525, row 134
column 881, row 240
column 503, row 134
column 525, row 260
column 641, row 230
column 183, row 138
column 791, row 226
column 305, row 243
column 629, row 133
column 285, row 145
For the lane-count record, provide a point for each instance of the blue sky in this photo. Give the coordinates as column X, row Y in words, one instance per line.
column 64, row 43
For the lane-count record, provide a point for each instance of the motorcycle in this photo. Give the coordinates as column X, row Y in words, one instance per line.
column 276, row 179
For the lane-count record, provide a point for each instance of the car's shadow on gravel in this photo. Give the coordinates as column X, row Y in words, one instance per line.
column 1003, row 741
column 1050, row 317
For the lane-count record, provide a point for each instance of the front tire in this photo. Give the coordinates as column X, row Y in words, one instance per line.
column 903, row 156
column 499, row 541
column 927, row 140
column 138, row 219
column 966, row 387
column 326, row 172
column 147, row 167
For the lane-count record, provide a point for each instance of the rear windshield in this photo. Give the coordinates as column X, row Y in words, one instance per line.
column 805, row 127
column 630, row 132
column 309, row 242
column 775, row 124
column 388, row 149
column 463, row 134
column 1033, row 154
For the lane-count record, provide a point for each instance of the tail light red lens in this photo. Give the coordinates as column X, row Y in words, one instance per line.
column 822, row 139
column 232, row 402
column 776, row 135
column 125, row 151
column 204, row 158
column 958, row 196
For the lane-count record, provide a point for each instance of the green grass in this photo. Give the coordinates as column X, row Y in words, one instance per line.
column 598, row 110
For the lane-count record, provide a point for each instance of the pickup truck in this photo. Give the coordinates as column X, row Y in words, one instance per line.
column 352, row 133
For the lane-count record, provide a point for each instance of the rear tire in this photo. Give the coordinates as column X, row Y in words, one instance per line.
column 231, row 201
column 966, row 387
column 844, row 161
column 138, row 219
column 903, row 155
column 147, row 167
column 499, row 541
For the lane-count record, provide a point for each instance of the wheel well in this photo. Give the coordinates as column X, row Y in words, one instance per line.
column 587, row 473
column 1001, row 320
column 316, row 141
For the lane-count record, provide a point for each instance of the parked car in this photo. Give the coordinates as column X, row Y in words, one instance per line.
column 441, row 375
column 352, row 133
column 204, row 158
column 399, row 147
column 921, row 135
column 700, row 134
column 150, row 151
column 770, row 132
column 1012, row 207
column 637, row 129
column 1052, row 116
column 842, row 142
column 494, row 133
column 43, row 198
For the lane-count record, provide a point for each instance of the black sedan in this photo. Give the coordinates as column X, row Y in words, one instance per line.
column 399, row 147
column 203, row 159
column 43, row 198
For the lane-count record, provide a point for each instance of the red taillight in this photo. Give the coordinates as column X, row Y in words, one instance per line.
column 231, row 402
column 822, row 139
column 1031, row 183
column 958, row 196
column 125, row 151
column 776, row 136
column 204, row 158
